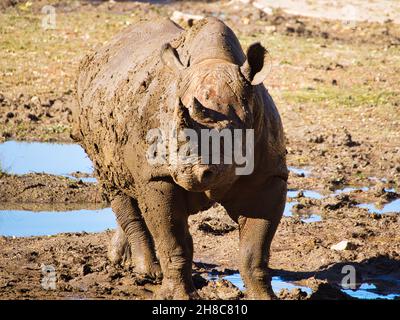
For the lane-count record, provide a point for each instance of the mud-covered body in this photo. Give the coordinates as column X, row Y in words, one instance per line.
column 126, row 89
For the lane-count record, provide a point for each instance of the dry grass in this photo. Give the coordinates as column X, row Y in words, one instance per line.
column 314, row 74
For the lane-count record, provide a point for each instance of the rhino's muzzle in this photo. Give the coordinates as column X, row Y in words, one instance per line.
column 206, row 176
column 200, row 177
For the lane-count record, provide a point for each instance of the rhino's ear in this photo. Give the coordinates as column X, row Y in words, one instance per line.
column 170, row 58
column 255, row 68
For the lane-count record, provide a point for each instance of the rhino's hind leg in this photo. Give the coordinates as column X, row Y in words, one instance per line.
column 132, row 238
column 119, row 251
column 256, row 233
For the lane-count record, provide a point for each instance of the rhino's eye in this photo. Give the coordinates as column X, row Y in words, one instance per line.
column 205, row 115
column 199, row 113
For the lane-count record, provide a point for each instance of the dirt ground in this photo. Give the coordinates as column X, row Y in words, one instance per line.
column 357, row 10
column 336, row 87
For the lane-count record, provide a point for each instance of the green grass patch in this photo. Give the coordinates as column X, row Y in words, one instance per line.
column 39, row 61
column 339, row 97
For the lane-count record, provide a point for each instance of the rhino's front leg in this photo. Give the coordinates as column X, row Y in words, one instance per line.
column 255, row 239
column 132, row 238
column 256, row 232
column 165, row 211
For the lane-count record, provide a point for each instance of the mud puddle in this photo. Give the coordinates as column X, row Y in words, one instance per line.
column 25, row 223
column 393, row 206
column 303, row 172
column 305, row 193
column 349, row 189
column 39, row 157
column 292, row 195
column 386, row 288
column 278, row 283
column 288, row 212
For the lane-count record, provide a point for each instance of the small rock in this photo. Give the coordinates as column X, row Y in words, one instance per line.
column 178, row 16
column 261, row 5
column 342, row 245
column 35, row 100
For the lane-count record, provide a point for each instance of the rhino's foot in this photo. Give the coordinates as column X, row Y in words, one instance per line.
column 119, row 251
column 151, row 269
column 170, row 290
column 258, row 284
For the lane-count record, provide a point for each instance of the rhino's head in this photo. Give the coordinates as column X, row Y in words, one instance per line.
column 217, row 97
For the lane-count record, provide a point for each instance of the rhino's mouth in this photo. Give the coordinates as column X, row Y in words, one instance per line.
column 200, row 178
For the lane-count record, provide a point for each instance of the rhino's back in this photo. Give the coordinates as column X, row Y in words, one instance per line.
column 113, row 84
column 132, row 54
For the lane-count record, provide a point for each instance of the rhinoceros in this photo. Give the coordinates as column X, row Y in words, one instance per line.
column 155, row 75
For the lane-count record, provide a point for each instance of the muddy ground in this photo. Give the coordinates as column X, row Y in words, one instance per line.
column 336, row 87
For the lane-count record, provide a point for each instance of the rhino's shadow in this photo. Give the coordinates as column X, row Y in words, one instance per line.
column 382, row 272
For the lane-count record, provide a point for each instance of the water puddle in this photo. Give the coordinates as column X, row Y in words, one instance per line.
column 349, row 189
column 278, row 283
column 306, row 193
column 288, row 209
column 369, row 291
column 40, row 157
column 22, row 223
column 52, row 207
column 305, row 218
column 84, row 179
column 393, row 206
column 312, row 218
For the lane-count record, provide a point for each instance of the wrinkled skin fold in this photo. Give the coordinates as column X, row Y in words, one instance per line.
column 156, row 75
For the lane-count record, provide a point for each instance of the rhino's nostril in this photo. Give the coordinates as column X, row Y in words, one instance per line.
column 207, row 175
